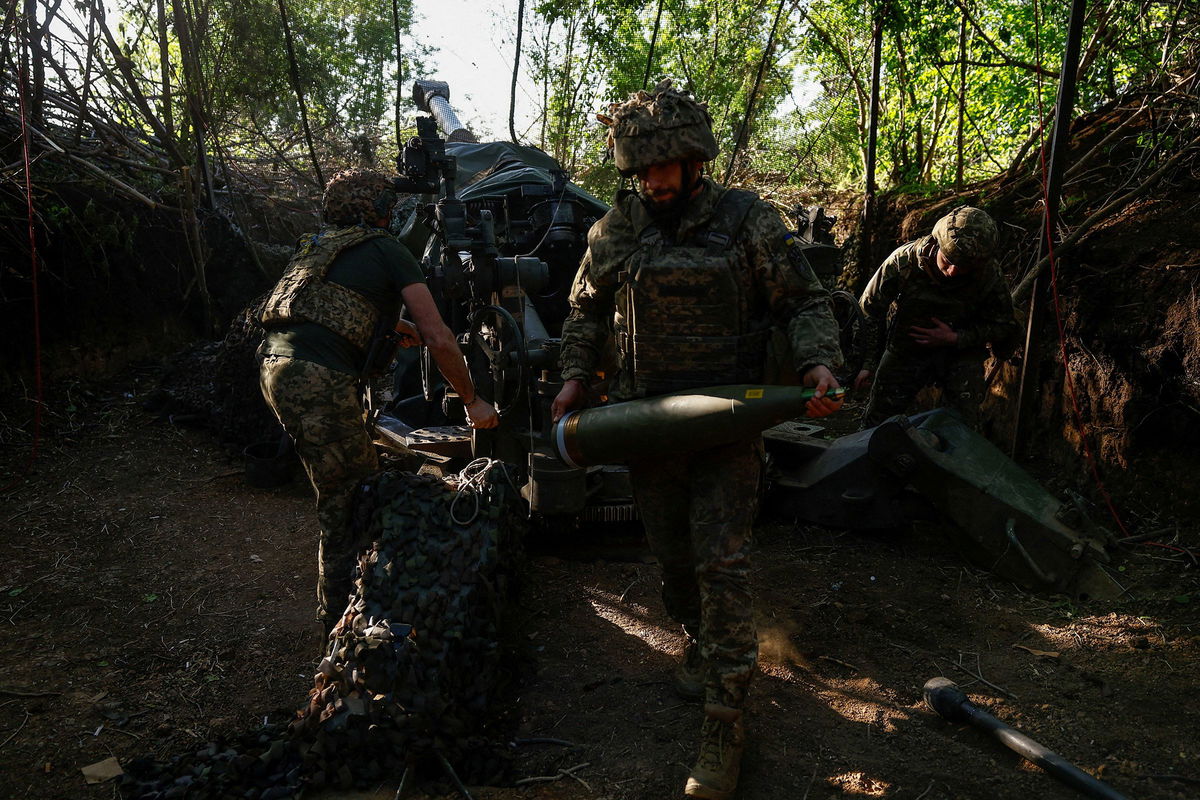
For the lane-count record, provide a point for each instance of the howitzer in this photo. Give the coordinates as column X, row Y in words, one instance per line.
column 500, row 255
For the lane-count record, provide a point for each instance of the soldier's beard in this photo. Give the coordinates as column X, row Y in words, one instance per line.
column 670, row 204
column 661, row 200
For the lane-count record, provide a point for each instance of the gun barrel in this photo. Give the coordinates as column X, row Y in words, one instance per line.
column 674, row 423
column 433, row 97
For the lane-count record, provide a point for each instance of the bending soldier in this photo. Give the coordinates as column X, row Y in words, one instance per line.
column 946, row 301
column 343, row 288
column 689, row 278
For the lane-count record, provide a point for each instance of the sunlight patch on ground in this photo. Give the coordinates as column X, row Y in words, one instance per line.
column 1105, row 632
column 858, row 784
column 856, row 701
column 1059, row 638
column 632, row 619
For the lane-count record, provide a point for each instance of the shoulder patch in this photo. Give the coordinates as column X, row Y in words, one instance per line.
column 799, row 262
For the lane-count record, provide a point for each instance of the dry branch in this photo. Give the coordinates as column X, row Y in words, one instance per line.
column 1021, row 292
column 1086, row 158
column 120, row 185
column 125, row 66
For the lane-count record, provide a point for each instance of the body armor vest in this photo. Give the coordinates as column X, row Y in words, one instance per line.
column 919, row 300
column 684, row 310
column 304, row 295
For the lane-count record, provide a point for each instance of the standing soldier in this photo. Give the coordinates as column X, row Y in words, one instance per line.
column 947, row 301
column 689, row 278
column 342, row 289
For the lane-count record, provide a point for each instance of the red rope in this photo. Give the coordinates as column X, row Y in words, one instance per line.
column 33, row 268
column 1058, row 316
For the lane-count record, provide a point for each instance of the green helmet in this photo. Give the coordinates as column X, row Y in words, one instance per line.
column 355, row 195
column 659, row 126
column 967, row 236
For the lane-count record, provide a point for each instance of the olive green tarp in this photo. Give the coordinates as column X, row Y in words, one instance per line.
column 493, row 170
column 496, row 168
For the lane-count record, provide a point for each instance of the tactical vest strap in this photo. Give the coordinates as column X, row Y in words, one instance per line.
column 727, row 219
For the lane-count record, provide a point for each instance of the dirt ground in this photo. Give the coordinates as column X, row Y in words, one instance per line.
column 151, row 601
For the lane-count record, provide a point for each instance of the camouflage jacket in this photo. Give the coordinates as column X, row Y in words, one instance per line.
column 786, row 295
column 908, row 289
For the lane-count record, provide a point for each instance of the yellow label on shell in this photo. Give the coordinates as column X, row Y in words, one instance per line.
column 754, row 394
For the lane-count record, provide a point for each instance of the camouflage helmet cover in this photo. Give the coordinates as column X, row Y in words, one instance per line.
column 658, row 126
column 355, row 195
column 967, row 236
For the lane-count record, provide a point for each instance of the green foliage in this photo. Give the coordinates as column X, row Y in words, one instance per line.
column 595, row 53
column 792, row 99
column 345, row 53
column 810, row 121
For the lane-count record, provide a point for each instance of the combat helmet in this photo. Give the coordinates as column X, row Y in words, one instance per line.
column 658, row 126
column 967, row 236
column 355, row 195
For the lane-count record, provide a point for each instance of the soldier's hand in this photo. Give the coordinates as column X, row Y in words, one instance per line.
column 407, row 334
column 939, row 335
column 821, row 379
column 572, row 396
column 481, row 414
column 863, row 379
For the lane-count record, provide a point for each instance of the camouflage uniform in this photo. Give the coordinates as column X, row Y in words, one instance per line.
column 694, row 292
column 909, row 289
column 321, row 409
column 698, row 508
column 342, row 287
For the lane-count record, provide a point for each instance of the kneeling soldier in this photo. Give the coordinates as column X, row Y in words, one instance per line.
column 946, row 301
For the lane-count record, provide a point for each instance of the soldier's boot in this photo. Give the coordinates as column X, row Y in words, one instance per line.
column 722, row 739
column 689, row 672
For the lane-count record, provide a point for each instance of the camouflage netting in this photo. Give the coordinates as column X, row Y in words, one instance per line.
column 417, row 671
column 215, row 384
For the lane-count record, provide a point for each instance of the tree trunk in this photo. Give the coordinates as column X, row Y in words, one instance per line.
column 512, row 96
column 87, row 76
column 744, row 130
column 164, row 65
column 962, row 102
column 191, row 232
column 653, row 44
column 583, row 73
column 191, row 72
column 399, row 69
column 6, row 38
column 37, row 62
column 294, row 71
column 563, row 122
column 546, row 80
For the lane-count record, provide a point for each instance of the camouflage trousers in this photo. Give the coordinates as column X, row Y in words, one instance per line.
column 697, row 510
column 901, row 375
column 321, row 410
